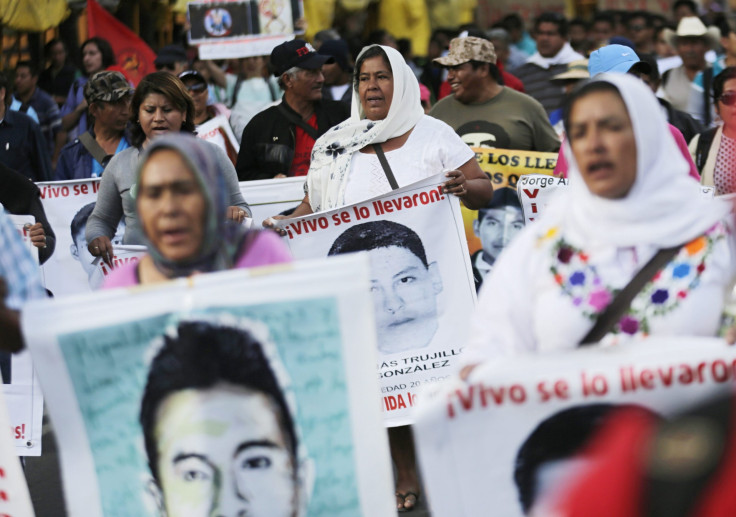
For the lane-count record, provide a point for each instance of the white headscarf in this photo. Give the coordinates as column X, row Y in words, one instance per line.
column 333, row 151
column 663, row 207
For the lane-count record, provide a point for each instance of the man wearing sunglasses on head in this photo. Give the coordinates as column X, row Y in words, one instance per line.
column 172, row 59
column 205, row 111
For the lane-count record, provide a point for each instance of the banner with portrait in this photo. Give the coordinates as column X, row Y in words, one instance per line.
column 421, row 281
column 506, row 437
column 245, row 392
column 271, row 197
column 241, row 28
column 490, row 230
column 68, row 204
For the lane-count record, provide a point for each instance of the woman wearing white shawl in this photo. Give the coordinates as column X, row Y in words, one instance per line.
column 386, row 110
column 344, row 170
column 629, row 195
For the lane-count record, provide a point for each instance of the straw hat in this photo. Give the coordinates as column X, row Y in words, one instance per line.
column 692, row 27
column 575, row 70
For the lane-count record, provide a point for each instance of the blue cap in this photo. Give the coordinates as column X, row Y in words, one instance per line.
column 616, row 59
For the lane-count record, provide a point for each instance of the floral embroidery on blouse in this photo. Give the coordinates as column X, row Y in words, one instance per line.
column 580, row 281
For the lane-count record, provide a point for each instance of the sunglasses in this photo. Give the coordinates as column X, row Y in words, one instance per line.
column 728, row 98
column 197, row 88
column 170, row 67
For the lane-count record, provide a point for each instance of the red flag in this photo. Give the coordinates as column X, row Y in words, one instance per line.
column 134, row 57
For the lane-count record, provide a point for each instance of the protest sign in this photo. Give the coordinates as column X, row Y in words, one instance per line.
column 473, row 437
column 20, row 386
column 217, row 130
column 22, row 225
column 421, row 281
column 505, row 167
column 241, row 392
column 121, row 255
column 267, row 198
column 15, row 500
column 68, row 205
column 241, row 28
column 537, row 190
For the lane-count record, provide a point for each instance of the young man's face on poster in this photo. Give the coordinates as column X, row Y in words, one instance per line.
column 497, row 228
column 223, row 451
column 405, row 299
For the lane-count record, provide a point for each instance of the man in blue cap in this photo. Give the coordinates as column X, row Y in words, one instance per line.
column 278, row 141
column 338, row 74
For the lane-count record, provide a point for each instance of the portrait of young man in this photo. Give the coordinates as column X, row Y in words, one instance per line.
column 404, row 283
column 219, row 434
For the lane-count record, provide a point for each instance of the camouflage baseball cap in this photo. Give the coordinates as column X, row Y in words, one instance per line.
column 467, row 49
column 106, row 86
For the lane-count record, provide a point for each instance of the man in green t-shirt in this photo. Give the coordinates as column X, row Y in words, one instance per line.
column 483, row 111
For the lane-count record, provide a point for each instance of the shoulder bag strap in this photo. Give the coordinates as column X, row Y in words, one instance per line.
column 296, row 119
column 97, row 152
column 620, row 304
column 707, row 84
column 702, row 149
column 386, row 167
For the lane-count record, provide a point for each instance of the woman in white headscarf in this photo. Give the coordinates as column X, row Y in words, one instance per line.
column 629, row 196
column 387, row 116
column 386, row 111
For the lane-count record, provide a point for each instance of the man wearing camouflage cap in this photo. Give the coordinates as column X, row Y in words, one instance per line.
column 108, row 95
column 483, row 111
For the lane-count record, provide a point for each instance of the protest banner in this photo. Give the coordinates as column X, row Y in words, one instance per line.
column 121, row 255
column 267, row 198
column 246, row 390
column 217, row 130
column 20, row 386
column 505, row 167
column 241, row 28
column 537, row 190
column 68, row 204
column 473, row 437
column 22, row 225
column 421, row 281
column 15, row 501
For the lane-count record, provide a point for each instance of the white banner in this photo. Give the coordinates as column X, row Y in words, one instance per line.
column 217, row 130
column 537, row 190
column 15, row 500
column 72, row 268
column 271, row 197
column 242, row 392
column 20, row 386
column 121, row 255
column 500, row 439
column 226, row 29
column 421, row 281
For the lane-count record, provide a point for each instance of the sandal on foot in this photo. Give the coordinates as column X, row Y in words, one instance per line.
column 404, row 497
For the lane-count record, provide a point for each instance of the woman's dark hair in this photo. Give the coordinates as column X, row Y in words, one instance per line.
column 371, row 52
column 583, row 90
column 720, row 80
column 108, row 57
column 170, row 87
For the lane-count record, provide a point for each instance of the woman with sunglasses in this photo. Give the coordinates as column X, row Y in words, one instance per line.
column 714, row 151
column 196, row 85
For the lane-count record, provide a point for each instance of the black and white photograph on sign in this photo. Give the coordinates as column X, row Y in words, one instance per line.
column 254, row 464
column 421, row 281
column 404, row 284
column 221, row 20
column 496, row 226
column 78, row 248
